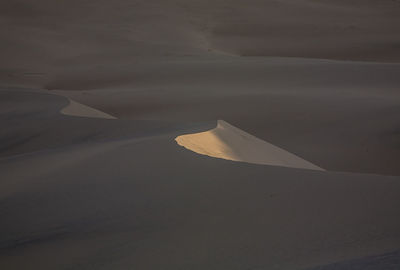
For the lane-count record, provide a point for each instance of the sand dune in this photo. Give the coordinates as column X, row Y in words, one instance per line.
column 330, row 113
column 304, row 84
column 99, row 194
column 77, row 109
column 228, row 142
column 44, row 41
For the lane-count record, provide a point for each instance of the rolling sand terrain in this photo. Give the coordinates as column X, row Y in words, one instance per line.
column 200, row 134
column 119, row 193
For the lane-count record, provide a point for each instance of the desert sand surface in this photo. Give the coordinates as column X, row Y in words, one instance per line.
column 77, row 109
column 231, row 143
column 114, row 155
column 91, row 200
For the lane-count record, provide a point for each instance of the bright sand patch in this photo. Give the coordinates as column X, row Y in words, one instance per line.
column 77, row 109
column 228, row 142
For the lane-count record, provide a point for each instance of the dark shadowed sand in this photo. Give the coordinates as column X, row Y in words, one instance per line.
column 96, row 96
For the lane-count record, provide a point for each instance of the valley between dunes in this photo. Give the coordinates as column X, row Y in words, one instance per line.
column 200, row 134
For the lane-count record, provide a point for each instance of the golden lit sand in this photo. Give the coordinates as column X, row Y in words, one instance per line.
column 228, row 142
column 77, row 109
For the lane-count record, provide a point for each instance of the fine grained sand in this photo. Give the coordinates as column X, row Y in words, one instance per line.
column 92, row 193
column 342, row 116
column 101, row 194
column 76, row 109
column 228, row 142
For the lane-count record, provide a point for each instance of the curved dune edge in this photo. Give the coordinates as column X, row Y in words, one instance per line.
column 77, row 109
column 230, row 143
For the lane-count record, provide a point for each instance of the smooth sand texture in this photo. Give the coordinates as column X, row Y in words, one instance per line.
column 100, row 194
column 228, row 142
column 43, row 36
column 318, row 78
column 77, row 109
column 386, row 261
column 342, row 116
column 45, row 41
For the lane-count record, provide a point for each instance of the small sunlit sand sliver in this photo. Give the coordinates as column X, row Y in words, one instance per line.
column 230, row 143
column 77, row 109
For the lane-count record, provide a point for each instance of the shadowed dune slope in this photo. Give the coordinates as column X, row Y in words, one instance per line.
column 342, row 116
column 386, row 261
column 35, row 124
column 317, row 78
column 137, row 199
column 40, row 36
column 76, row 109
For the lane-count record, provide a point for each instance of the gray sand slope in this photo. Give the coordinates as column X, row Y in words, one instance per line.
column 76, row 109
column 342, row 116
column 45, row 40
column 140, row 200
column 94, row 93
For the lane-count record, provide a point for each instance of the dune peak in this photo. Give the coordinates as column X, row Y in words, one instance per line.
column 77, row 109
column 231, row 143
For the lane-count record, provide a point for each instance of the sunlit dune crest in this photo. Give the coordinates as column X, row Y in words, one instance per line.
column 77, row 109
column 228, row 142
